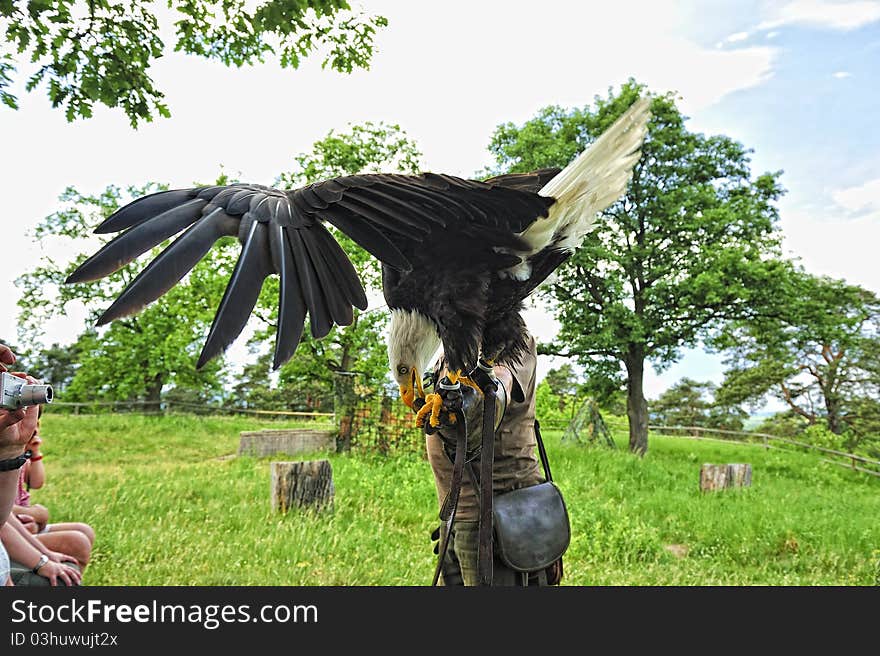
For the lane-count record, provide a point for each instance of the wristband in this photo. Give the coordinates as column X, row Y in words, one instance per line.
column 15, row 463
column 43, row 560
column 36, row 458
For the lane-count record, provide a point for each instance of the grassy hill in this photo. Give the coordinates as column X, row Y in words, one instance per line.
column 171, row 507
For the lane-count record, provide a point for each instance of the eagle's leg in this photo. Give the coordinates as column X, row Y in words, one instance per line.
column 483, row 375
column 457, row 377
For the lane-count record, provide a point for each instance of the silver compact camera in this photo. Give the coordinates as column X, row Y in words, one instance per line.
column 17, row 393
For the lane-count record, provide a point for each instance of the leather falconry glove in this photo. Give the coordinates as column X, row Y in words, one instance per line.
column 469, row 401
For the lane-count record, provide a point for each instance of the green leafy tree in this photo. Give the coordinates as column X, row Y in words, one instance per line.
column 135, row 357
column 683, row 404
column 55, row 364
column 863, row 419
column 549, row 408
column 564, row 383
column 691, row 403
column 367, row 148
column 101, row 51
column 819, row 355
column 689, row 246
column 253, row 389
column 784, row 424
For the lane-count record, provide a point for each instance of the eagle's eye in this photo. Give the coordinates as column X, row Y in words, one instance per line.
column 403, row 370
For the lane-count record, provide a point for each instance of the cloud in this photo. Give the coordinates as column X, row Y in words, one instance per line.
column 860, row 199
column 820, row 13
column 738, row 36
column 712, row 75
column 842, row 74
column 827, row 245
column 733, row 38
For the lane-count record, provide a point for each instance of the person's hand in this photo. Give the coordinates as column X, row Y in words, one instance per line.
column 9, row 418
column 29, row 523
column 34, row 444
column 6, row 357
column 58, row 572
column 58, row 557
column 40, row 514
column 17, row 427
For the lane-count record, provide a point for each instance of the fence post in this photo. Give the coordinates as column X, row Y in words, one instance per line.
column 344, row 402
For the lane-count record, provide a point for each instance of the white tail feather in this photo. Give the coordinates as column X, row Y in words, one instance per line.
column 590, row 183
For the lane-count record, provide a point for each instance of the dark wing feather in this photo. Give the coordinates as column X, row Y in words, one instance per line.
column 529, row 182
column 172, row 264
column 319, row 313
column 392, row 216
column 136, row 241
column 405, row 206
column 241, row 293
column 342, row 268
column 369, row 237
column 291, row 304
column 334, row 295
column 143, row 208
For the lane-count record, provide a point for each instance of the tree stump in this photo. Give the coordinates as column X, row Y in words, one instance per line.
column 719, row 477
column 305, row 484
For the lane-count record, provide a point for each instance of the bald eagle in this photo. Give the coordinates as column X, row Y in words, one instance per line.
column 458, row 256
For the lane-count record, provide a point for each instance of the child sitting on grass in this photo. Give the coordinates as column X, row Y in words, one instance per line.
column 72, row 538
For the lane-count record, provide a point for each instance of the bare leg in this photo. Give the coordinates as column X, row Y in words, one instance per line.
column 71, row 543
column 85, row 529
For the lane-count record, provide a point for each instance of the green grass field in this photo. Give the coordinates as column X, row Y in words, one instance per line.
column 172, row 506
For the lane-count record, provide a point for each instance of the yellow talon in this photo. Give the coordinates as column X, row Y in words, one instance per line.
column 435, row 411
column 454, row 377
column 424, row 410
column 433, row 403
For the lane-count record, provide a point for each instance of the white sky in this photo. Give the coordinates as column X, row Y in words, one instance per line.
column 449, row 73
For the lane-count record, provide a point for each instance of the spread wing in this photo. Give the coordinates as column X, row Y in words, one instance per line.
column 396, row 218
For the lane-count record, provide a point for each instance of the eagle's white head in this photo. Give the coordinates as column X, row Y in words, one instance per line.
column 413, row 344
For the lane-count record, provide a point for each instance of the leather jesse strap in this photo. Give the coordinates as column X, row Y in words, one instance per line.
column 487, row 462
column 450, row 504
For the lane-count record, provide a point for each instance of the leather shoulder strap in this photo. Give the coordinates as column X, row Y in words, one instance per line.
column 543, row 451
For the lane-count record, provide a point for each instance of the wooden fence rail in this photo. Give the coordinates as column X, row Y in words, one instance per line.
column 767, row 438
column 166, row 406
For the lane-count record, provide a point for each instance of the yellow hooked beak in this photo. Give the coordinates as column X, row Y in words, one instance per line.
column 413, row 389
